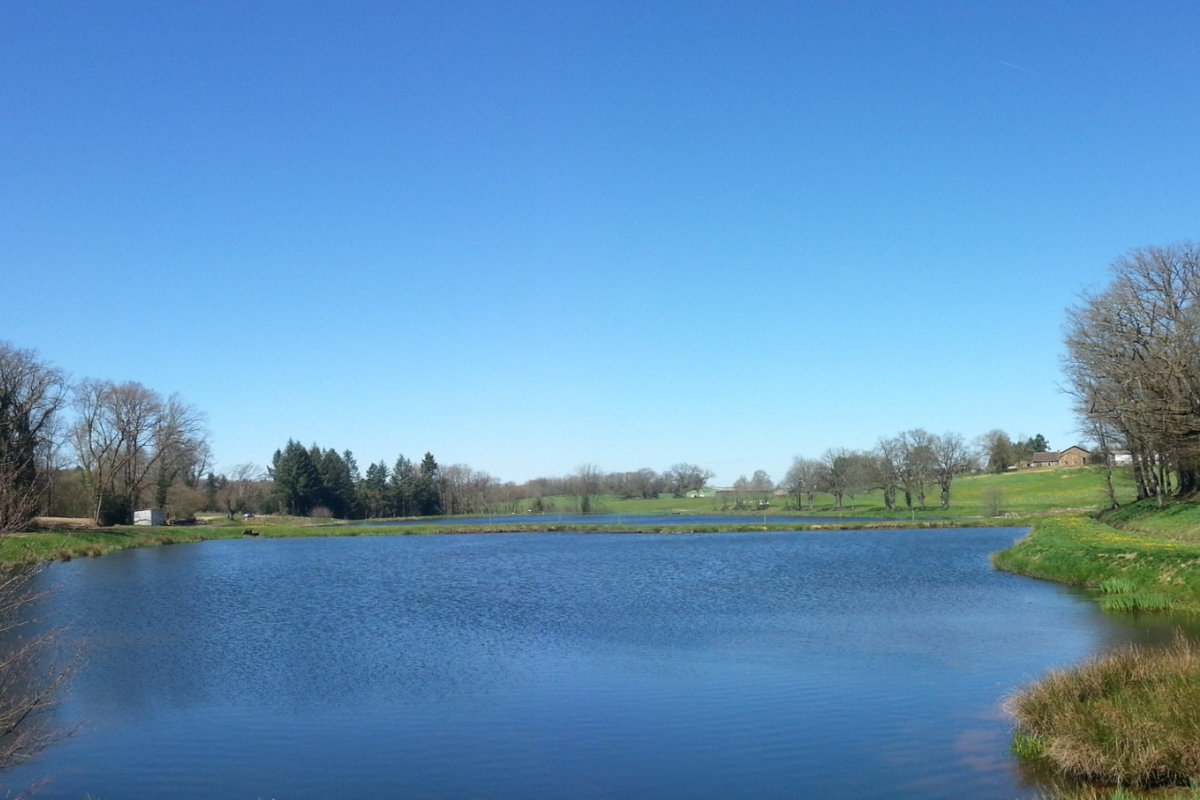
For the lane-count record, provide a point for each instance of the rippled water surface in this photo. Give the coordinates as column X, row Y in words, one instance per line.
column 851, row 664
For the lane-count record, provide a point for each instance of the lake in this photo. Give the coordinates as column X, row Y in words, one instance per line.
column 860, row 664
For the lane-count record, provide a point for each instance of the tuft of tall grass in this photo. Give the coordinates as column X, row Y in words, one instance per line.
column 1131, row 718
column 1028, row 748
column 1118, row 585
column 1136, row 601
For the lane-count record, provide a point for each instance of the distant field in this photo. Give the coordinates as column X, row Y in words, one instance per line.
column 1021, row 494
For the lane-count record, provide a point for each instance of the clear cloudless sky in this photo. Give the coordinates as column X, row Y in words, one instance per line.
column 527, row 236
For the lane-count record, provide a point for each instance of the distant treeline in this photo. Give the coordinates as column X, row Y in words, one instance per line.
column 100, row 449
column 316, row 481
column 327, row 483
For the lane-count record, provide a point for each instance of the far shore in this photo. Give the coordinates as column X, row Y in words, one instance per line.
column 65, row 539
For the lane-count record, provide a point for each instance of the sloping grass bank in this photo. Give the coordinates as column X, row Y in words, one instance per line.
column 1130, row 718
column 1133, row 571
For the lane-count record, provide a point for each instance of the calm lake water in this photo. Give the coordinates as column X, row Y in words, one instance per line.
column 772, row 665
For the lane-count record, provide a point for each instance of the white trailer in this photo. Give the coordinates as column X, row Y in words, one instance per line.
column 150, row 516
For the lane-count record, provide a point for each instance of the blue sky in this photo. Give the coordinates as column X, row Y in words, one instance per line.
column 527, row 236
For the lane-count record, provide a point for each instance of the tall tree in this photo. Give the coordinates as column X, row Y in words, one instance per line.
column 374, row 491
column 950, row 458
column 1133, row 363
column 585, row 485
column 32, row 393
column 916, row 465
column 997, row 451
column 239, row 491
column 838, row 473
column 889, row 463
column 426, row 495
column 687, row 478
column 297, row 481
column 403, row 484
column 803, row 480
column 123, row 433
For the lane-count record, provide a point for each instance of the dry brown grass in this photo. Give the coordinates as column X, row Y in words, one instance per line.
column 1130, row 718
column 63, row 524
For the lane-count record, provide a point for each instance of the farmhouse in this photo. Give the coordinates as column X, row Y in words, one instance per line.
column 1073, row 456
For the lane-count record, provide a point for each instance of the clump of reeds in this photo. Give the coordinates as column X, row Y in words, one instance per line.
column 1125, row 594
column 1136, row 601
column 1118, row 585
column 1131, row 718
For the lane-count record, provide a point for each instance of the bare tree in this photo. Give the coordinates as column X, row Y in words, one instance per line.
column 32, row 393
column 1133, row 363
column 689, row 478
column 889, row 462
column 239, row 491
column 33, row 668
column 761, row 484
column 585, row 485
column 950, row 458
column 997, row 451
column 466, row 490
column 124, row 432
column 916, row 466
column 645, row 483
column 741, row 492
column 803, row 480
column 837, row 474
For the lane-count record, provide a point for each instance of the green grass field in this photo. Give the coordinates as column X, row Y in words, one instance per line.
column 1022, row 494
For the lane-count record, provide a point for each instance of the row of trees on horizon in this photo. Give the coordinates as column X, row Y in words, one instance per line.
column 322, row 482
column 101, row 449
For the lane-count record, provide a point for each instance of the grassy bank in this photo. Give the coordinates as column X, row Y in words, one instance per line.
column 1131, row 718
column 1132, row 570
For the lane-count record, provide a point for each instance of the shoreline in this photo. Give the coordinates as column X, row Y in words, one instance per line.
column 1126, row 718
column 47, row 546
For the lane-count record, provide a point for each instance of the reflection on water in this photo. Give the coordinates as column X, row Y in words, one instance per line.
column 856, row 664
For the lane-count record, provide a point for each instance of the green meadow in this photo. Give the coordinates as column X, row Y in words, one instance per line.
column 1015, row 494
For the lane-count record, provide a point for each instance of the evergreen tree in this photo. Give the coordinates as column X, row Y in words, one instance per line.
column 426, row 497
column 297, row 482
column 402, row 486
column 374, row 491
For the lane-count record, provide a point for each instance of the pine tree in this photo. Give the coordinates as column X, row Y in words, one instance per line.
column 297, row 482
